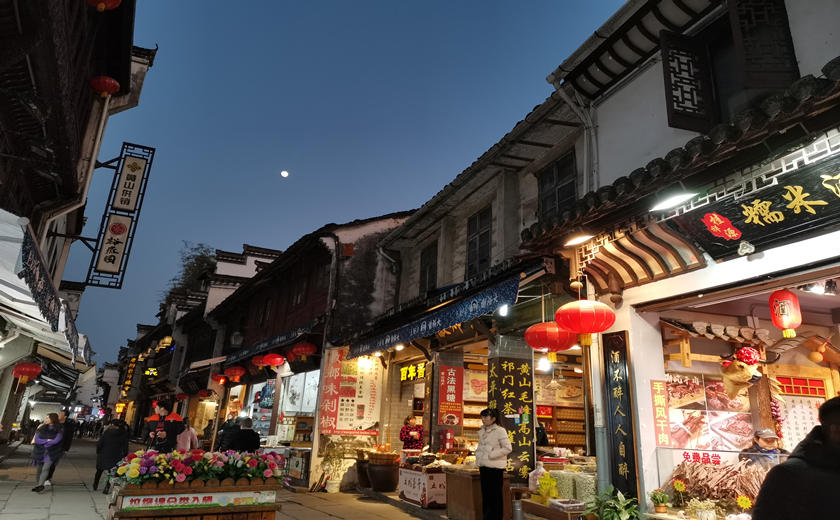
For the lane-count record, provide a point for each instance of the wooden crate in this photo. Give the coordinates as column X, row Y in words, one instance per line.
column 242, row 499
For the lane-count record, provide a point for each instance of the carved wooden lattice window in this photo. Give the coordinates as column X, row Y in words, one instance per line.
column 688, row 83
column 763, row 44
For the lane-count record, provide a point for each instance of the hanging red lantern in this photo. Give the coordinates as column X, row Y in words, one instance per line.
column 26, row 371
column 235, row 372
column 258, row 361
column 549, row 335
column 104, row 5
column 785, row 312
column 181, row 397
column 585, row 317
column 104, row 85
column 219, row 378
column 273, row 360
column 304, row 349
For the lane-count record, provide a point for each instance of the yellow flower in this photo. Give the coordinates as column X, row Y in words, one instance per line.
column 679, row 485
column 744, row 502
column 121, row 470
column 139, row 453
column 133, row 472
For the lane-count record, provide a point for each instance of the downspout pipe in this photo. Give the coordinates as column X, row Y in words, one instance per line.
column 81, row 199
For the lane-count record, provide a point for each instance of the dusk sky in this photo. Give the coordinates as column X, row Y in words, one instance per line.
column 372, row 107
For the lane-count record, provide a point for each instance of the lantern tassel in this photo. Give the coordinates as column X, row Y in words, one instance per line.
column 586, row 340
column 789, row 333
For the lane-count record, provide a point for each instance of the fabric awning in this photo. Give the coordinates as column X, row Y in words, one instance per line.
column 464, row 309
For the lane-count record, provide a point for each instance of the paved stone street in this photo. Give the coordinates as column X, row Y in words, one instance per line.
column 72, row 495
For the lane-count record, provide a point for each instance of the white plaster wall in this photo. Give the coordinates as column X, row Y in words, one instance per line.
column 40, row 410
column 86, row 387
column 632, row 126
column 815, row 33
column 231, row 269
column 216, row 295
column 529, row 200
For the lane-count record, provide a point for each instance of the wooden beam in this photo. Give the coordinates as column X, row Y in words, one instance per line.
column 533, row 143
column 685, row 351
column 560, row 122
column 516, row 157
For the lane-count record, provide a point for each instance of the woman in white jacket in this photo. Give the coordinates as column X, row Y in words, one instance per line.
column 491, row 458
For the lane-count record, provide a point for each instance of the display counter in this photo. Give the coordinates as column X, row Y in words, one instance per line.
column 463, row 493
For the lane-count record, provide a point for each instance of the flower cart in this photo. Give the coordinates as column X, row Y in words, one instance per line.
column 197, row 485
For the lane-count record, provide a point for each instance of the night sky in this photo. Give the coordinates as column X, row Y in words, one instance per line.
column 371, row 106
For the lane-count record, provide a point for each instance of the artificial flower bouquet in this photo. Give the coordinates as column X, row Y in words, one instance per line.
column 182, row 466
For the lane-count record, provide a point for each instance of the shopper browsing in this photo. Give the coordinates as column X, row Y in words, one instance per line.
column 48, row 449
column 491, row 457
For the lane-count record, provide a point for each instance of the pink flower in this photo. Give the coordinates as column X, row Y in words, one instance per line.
column 253, row 463
column 268, row 473
column 219, row 464
column 188, row 470
column 180, row 477
column 272, row 465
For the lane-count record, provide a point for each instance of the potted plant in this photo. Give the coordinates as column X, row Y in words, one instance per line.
column 679, row 489
column 702, row 509
column 333, row 465
column 611, row 505
column 660, row 500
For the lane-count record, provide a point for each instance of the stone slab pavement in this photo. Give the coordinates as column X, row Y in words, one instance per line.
column 72, row 497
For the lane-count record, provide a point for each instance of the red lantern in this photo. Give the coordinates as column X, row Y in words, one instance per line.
column 219, row 378
column 181, row 397
column 104, row 85
column 304, row 349
column 258, row 361
column 104, row 5
column 549, row 335
column 785, row 312
column 235, row 372
column 585, row 317
column 26, row 371
column 273, row 360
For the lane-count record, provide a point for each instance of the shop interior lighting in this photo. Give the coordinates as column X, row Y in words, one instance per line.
column 399, row 346
column 503, row 310
column 574, row 347
column 544, row 364
column 577, row 237
column 672, row 197
column 578, row 370
column 813, row 288
column 243, row 413
column 830, row 288
column 377, row 354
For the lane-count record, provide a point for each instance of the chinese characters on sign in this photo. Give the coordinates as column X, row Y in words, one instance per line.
column 510, row 391
column 787, row 205
column 619, row 414
column 423, row 489
column 151, row 371
column 662, row 431
column 703, row 457
column 236, row 498
column 128, row 186
column 413, row 371
column 451, row 408
column 129, row 376
column 350, row 395
column 113, row 244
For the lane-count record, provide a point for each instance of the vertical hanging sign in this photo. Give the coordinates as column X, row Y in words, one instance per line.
column 451, row 406
column 619, row 413
column 510, row 390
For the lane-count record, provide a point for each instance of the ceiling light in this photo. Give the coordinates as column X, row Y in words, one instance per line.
column 544, row 364
column 377, row 354
column 574, row 347
column 577, row 237
column 672, row 201
column 503, row 310
column 399, row 346
column 578, row 370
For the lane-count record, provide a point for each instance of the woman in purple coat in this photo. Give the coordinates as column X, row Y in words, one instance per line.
column 47, row 450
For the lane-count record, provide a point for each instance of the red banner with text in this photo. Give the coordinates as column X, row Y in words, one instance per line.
column 451, row 408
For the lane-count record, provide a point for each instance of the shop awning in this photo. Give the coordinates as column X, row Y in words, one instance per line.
column 464, row 309
column 276, row 341
column 206, row 362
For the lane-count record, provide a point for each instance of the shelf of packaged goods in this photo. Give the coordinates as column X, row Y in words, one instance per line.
column 544, row 417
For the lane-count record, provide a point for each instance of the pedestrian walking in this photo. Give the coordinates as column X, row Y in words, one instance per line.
column 111, row 448
column 187, row 439
column 68, row 430
column 491, row 458
column 245, row 439
column 805, row 486
column 169, row 425
column 47, row 450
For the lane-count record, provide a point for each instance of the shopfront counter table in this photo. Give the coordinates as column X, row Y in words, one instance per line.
column 463, row 495
column 425, row 488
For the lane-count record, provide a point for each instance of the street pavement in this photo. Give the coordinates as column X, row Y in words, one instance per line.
column 71, row 496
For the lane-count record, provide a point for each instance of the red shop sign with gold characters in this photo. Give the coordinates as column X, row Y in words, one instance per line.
column 451, row 406
column 781, row 209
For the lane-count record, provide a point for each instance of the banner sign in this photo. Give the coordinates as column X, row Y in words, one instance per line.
column 413, row 371
column 197, row 499
column 451, row 402
column 510, row 391
column 789, row 207
column 119, row 220
column 466, row 309
column 662, row 430
column 350, row 395
column 620, row 414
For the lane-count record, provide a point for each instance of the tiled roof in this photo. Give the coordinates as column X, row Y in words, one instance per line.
column 809, row 105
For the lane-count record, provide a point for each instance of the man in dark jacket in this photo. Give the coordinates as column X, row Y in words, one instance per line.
column 765, row 449
column 245, row 439
column 227, row 431
column 806, row 485
column 169, row 425
column 68, row 429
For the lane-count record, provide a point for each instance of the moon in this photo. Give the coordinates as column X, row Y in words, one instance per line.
column 284, row 174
